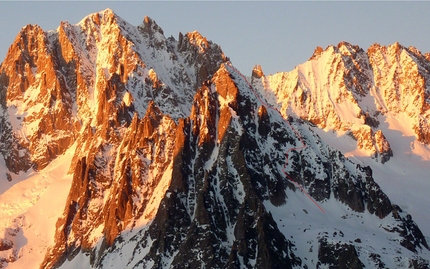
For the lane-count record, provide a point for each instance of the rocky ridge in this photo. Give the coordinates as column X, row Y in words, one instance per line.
column 351, row 91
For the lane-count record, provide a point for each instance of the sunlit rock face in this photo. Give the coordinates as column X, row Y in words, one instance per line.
column 37, row 102
column 180, row 161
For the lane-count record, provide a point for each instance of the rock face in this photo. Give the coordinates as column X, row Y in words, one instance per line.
column 115, row 184
column 373, row 142
column 180, row 163
column 338, row 256
column 37, row 120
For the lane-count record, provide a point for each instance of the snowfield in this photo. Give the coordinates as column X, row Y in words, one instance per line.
column 29, row 208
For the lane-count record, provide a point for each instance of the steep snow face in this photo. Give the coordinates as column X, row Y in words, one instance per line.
column 29, row 210
column 316, row 90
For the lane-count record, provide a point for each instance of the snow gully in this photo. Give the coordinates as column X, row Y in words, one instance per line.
column 295, row 132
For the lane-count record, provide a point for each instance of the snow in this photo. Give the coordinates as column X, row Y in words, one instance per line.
column 77, row 261
column 404, row 178
column 405, row 175
column 33, row 201
column 18, row 110
column 158, row 194
column 304, row 224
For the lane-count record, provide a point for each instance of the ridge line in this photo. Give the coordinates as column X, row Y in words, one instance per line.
column 290, row 149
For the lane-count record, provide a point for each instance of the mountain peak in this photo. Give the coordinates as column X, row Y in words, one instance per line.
column 107, row 15
column 149, row 25
column 317, row 52
column 347, row 48
column 198, row 41
column 257, row 71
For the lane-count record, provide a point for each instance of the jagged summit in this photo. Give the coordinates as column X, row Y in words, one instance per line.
column 343, row 46
column 101, row 16
column 257, row 71
column 84, row 76
column 151, row 26
column 175, row 159
column 343, row 88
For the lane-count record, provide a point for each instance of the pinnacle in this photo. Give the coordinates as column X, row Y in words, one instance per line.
column 150, row 26
column 317, row 52
column 344, row 43
column 257, row 71
column 147, row 20
column 30, row 28
column 107, row 12
column 195, row 35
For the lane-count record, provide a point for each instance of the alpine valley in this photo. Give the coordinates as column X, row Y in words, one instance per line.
column 121, row 148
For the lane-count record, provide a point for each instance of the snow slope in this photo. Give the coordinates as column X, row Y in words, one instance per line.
column 405, row 178
column 29, row 208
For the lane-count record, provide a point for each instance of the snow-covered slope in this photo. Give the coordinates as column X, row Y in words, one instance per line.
column 29, row 208
column 123, row 148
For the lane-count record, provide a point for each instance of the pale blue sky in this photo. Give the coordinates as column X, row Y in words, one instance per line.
column 276, row 35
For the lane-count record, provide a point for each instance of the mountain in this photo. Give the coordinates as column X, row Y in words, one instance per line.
column 372, row 103
column 346, row 89
column 126, row 149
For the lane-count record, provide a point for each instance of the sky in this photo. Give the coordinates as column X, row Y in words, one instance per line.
column 276, row 35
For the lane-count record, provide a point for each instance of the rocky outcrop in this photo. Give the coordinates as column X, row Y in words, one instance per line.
column 11, row 242
column 257, row 71
column 38, row 100
column 337, row 255
column 114, row 184
column 373, row 142
column 383, row 147
column 199, row 53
